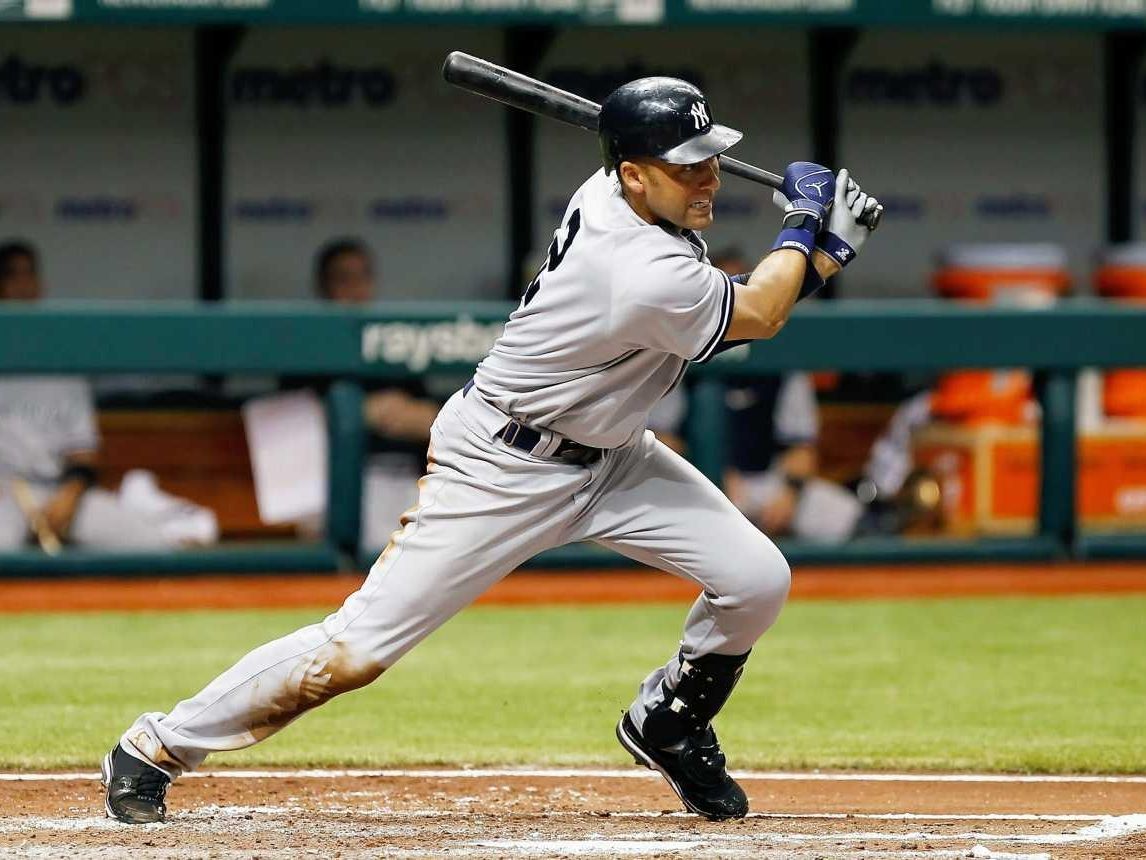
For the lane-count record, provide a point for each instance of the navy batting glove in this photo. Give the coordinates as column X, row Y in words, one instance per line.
column 806, row 180
column 805, row 195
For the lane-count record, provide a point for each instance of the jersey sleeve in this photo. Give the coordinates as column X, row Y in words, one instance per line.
column 797, row 417
column 77, row 429
column 673, row 303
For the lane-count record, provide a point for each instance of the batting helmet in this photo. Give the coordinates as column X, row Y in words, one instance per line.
column 665, row 118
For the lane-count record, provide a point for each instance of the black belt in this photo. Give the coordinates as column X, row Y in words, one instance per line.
column 525, row 438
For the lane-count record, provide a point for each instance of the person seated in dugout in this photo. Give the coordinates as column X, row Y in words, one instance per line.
column 49, row 459
column 773, row 428
column 398, row 414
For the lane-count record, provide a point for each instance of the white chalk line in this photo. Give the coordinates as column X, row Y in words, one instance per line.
column 688, row 815
column 604, row 773
column 764, row 816
column 1108, row 827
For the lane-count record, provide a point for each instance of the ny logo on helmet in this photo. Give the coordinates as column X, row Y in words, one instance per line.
column 699, row 113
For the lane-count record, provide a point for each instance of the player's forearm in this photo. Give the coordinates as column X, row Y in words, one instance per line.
column 422, row 415
column 764, row 303
column 825, row 265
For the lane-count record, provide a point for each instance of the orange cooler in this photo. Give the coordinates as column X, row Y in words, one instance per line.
column 1013, row 274
column 1121, row 276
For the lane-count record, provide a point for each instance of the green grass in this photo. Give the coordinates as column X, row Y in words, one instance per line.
column 1054, row 684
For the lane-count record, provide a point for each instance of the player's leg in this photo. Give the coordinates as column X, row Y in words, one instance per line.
column 657, row 508
column 481, row 512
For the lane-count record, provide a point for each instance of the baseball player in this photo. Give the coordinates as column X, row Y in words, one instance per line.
column 547, row 445
column 49, row 451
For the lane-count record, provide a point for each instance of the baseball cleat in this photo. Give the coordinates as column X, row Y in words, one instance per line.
column 135, row 790
column 695, row 771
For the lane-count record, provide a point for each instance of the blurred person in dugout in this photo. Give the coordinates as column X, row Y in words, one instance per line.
column 773, row 428
column 399, row 414
column 49, row 459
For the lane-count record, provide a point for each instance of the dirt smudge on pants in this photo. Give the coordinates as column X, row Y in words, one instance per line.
column 329, row 672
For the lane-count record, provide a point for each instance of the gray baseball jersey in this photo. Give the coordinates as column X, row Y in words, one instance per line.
column 609, row 325
column 43, row 419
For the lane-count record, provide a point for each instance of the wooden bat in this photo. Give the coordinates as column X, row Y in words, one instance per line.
column 47, row 539
column 529, row 94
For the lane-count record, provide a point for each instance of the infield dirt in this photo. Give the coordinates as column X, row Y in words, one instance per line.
column 503, row 815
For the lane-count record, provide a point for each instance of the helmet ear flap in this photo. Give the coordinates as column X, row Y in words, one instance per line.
column 610, row 152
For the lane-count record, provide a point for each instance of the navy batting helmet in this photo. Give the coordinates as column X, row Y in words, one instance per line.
column 665, row 118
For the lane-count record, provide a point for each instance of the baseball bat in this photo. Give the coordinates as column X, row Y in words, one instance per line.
column 47, row 539
column 526, row 93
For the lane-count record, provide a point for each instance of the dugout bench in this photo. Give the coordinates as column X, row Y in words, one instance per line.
column 401, row 340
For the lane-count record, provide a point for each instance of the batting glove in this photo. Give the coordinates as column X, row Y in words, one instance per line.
column 845, row 234
column 806, row 195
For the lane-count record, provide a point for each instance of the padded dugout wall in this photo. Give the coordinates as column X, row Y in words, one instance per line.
column 974, row 138
column 353, row 131
column 97, row 158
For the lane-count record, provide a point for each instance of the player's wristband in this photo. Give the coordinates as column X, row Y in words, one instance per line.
column 795, row 484
column 80, row 472
column 836, row 248
column 797, row 239
column 802, row 221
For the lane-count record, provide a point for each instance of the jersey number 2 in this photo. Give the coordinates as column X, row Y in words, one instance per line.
column 555, row 256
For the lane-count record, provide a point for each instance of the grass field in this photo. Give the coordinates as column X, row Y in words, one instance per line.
column 1054, row 684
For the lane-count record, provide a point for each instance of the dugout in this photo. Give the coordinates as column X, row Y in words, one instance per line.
column 199, row 153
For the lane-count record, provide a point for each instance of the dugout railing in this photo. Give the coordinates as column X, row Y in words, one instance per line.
column 403, row 340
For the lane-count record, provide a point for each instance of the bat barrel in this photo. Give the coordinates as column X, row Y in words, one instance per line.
column 519, row 91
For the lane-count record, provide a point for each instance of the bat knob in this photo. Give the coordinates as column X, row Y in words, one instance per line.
column 871, row 219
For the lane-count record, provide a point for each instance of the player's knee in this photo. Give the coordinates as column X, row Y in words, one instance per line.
column 764, row 580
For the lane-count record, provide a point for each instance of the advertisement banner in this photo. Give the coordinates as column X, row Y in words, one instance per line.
column 973, row 139
column 97, row 159
column 353, row 133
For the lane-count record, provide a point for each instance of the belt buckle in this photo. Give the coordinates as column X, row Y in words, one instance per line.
column 510, row 431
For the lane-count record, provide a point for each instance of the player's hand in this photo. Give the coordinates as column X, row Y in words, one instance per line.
column 806, row 195
column 806, row 180
column 394, row 414
column 801, row 214
column 59, row 511
column 845, row 235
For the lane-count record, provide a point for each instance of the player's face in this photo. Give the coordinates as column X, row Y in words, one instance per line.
column 680, row 193
column 350, row 279
column 19, row 281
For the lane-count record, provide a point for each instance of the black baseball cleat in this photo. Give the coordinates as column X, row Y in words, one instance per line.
column 135, row 789
column 695, row 771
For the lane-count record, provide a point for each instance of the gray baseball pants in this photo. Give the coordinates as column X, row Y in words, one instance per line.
column 483, row 509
